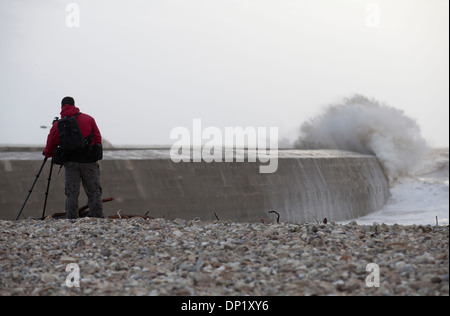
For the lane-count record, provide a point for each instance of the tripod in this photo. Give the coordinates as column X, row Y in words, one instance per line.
column 34, row 183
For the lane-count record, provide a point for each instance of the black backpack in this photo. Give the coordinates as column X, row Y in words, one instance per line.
column 71, row 140
column 70, row 137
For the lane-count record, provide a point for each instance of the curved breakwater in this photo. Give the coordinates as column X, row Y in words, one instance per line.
column 308, row 186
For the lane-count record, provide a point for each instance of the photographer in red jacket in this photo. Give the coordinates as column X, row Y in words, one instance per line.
column 80, row 167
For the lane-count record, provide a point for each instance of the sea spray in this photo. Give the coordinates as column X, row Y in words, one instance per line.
column 366, row 126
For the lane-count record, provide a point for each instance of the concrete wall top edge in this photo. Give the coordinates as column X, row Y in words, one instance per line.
column 153, row 154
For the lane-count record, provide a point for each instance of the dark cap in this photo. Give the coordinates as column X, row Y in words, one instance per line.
column 67, row 100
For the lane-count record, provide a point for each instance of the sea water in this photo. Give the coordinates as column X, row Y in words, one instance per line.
column 422, row 198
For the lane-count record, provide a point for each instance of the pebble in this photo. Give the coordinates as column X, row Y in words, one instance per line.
column 180, row 257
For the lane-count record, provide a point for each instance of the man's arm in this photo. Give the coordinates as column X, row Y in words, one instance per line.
column 97, row 134
column 52, row 141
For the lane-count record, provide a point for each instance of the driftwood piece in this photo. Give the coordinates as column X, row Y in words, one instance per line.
column 84, row 212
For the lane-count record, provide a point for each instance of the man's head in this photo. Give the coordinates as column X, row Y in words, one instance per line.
column 67, row 100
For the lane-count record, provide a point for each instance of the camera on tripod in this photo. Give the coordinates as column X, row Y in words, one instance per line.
column 56, row 119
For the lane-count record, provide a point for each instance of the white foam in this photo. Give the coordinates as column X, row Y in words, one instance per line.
column 414, row 201
column 369, row 127
column 419, row 176
column 419, row 199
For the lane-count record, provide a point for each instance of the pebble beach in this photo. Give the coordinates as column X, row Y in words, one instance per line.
column 195, row 258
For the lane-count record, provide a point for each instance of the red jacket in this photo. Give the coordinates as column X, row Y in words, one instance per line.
column 87, row 125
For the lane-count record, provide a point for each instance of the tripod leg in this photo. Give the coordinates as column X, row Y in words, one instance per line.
column 48, row 188
column 31, row 189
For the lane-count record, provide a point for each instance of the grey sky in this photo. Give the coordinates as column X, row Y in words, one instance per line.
column 143, row 67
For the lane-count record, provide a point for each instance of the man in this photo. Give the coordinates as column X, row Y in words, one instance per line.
column 80, row 167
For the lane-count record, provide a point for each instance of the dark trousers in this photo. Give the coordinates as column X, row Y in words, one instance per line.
column 89, row 175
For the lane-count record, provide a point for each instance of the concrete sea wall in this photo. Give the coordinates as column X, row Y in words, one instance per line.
column 307, row 186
